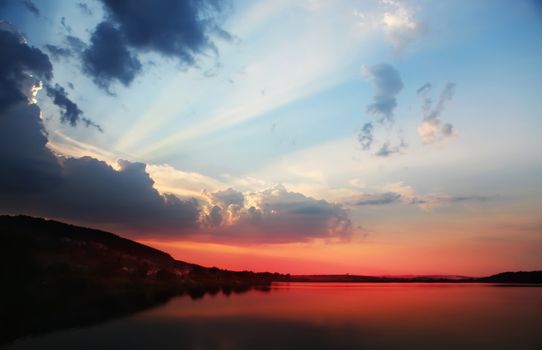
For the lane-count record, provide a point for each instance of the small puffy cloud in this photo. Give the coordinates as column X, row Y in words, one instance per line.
column 274, row 215
column 387, row 150
column 365, row 136
column 388, row 84
column 432, row 128
column 400, row 24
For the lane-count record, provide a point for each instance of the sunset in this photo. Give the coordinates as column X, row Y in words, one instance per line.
column 156, row 152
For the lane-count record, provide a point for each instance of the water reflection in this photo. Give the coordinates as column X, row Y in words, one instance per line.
column 325, row 316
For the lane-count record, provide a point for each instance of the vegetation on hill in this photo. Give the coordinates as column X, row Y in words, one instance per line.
column 57, row 275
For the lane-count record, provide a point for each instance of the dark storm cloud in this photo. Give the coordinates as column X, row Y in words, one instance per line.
column 178, row 29
column 35, row 181
column 17, row 62
column 28, row 166
column 69, row 111
column 108, row 58
column 388, row 84
column 21, row 69
column 87, row 191
column 30, row 6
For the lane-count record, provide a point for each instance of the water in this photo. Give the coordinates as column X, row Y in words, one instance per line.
column 325, row 316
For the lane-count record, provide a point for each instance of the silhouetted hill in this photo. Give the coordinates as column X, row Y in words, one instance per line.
column 531, row 277
column 514, row 277
column 56, row 275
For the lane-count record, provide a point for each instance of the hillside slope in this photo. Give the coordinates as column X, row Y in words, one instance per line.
column 57, row 275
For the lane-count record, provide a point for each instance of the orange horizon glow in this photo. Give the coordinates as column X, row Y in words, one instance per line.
column 349, row 258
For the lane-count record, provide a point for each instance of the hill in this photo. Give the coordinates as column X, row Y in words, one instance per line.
column 56, row 275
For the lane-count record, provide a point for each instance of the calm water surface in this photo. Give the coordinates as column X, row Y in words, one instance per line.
column 326, row 316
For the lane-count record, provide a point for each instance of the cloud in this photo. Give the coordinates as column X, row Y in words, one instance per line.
column 85, row 8
column 30, row 6
column 69, row 111
column 57, row 52
column 387, row 150
column 35, row 181
column 175, row 29
column 107, row 58
column 21, row 70
column 365, row 136
column 432, row 128
column 27, row 165
column 388, row 84
column 398, row 192
column 400, row 24
column 274, row 215
column 377, row 198
column 88, row 191
column 20, row 66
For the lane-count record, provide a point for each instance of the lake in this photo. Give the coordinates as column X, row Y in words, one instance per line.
column 325, row 316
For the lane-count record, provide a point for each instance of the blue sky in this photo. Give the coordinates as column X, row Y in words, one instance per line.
column 282, row 99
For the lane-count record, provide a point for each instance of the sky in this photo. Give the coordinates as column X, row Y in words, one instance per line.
column 311, row 136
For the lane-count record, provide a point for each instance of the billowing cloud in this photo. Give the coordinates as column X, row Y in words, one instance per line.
column 273, row 215
column 432, row 128
column 35, row 181
column 20, row 66
column 22, row 70
column 176, row 29
column 85, row 190
column 107, row 58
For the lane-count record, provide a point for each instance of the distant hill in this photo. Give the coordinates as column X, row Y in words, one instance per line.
column 521, row 277
column 56, row 275
column 514, row 277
